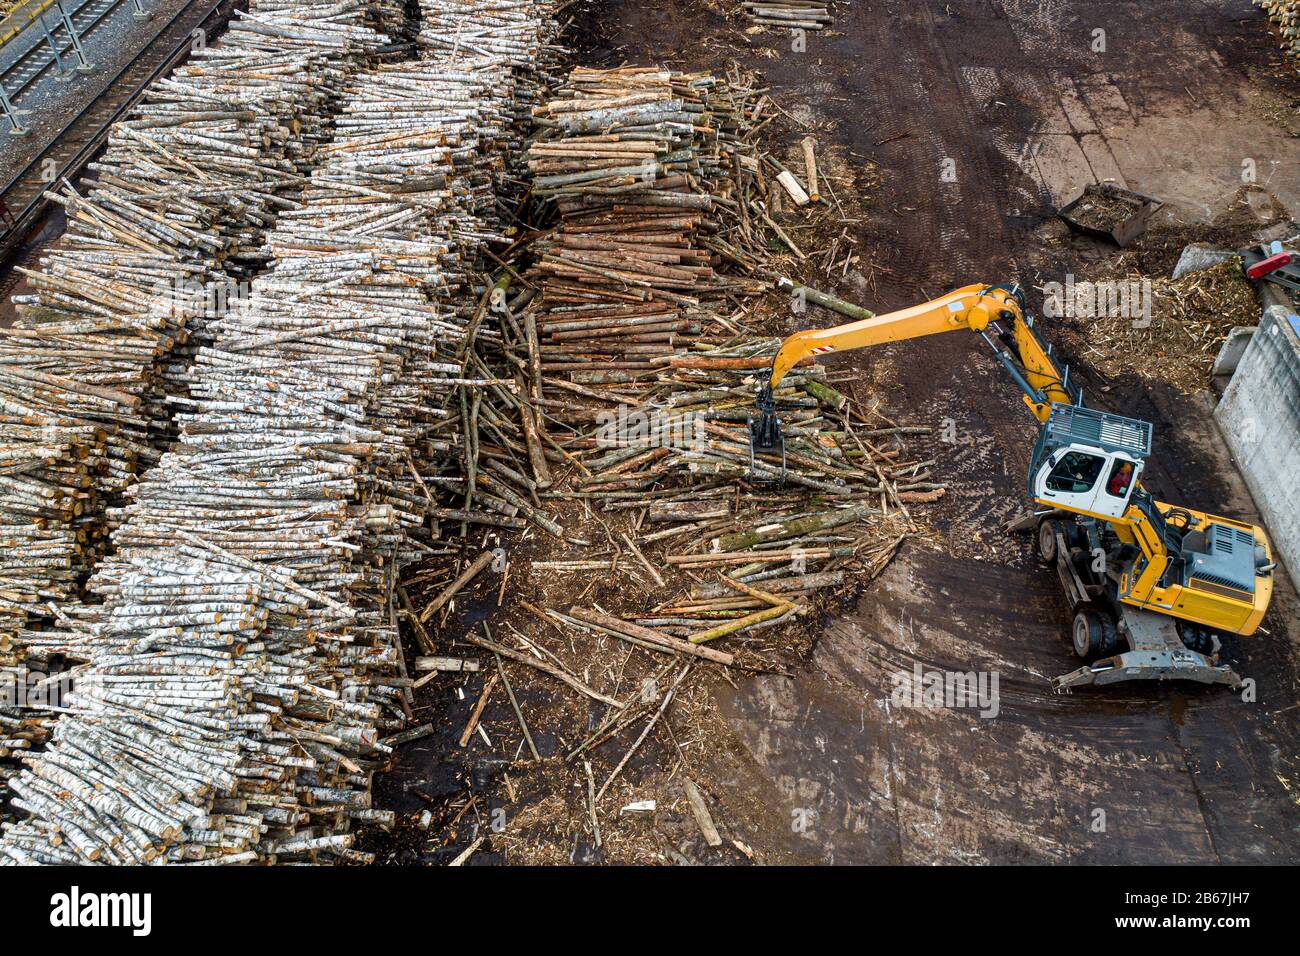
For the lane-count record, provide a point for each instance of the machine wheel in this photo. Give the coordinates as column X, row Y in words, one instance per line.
column 1110, row 639
column 1093, row 632
column 1047, row 529
column 1199, row 639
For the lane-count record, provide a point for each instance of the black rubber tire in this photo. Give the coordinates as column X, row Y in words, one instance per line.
column 1197, row 638
column 1089, row 632
column 1110, row 639
column 1046, row 542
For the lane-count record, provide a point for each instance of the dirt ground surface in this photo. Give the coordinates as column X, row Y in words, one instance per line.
column 974, row 120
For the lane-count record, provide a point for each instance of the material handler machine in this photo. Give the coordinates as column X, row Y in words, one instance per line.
column 1153, row 586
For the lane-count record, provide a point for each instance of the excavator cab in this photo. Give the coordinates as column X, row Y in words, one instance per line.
column 1087, row 461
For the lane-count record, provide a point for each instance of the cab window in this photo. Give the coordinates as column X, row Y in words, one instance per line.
column 1121, row 478
column 1076, row 473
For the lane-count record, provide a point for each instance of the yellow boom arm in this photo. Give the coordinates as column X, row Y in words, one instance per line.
column 997, row 314
column 972, row 307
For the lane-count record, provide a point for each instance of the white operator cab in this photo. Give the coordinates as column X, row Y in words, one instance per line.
column 1088, row 461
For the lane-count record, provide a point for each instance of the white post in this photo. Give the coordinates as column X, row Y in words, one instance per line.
column 85, row 66
column 64, row 72
column 11, row 114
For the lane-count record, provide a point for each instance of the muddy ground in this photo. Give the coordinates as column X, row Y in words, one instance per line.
column 978, row 118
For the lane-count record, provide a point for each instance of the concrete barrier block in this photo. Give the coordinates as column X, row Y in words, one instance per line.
column 1198, row 256
column 1259, row 416
column 1234, row 346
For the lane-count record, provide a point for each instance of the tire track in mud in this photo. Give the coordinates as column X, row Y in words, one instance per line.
column 948, row 221
column 1180, row 774
column 934, row 98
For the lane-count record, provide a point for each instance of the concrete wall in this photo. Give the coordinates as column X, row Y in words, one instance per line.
column 1260, row 418
column 1233, row 348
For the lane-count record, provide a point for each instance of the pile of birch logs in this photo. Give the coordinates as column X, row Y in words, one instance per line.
column 173, row 221
column 502, row 37
column 505, row 31
column 183, row 195
column 1286, row 14
column 243, row 666
column 795, row 14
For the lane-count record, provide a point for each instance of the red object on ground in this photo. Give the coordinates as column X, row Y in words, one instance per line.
column 1271, row 264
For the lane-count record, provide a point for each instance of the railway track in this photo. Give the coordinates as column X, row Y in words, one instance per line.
column 85, row 133
column 34, row 63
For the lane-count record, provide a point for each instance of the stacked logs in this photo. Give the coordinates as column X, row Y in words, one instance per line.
column 643, row 166
column 175, row 218
column 244, row 665
column 792, row 14
column 172, row 223
column 514, row 33
column 1286, row 15
column 510, row 40
column 189, row 183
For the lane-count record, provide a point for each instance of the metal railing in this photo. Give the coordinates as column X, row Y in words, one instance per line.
column 30, row 10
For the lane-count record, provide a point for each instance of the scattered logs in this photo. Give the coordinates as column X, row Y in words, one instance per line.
column 792, row 14
column 677, row 450
column 624, row 442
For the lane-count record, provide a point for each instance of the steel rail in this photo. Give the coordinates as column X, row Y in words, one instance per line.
column 27, row 218
column 23, row 64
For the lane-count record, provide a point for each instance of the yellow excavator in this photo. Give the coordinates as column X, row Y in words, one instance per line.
column 1153, row 586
